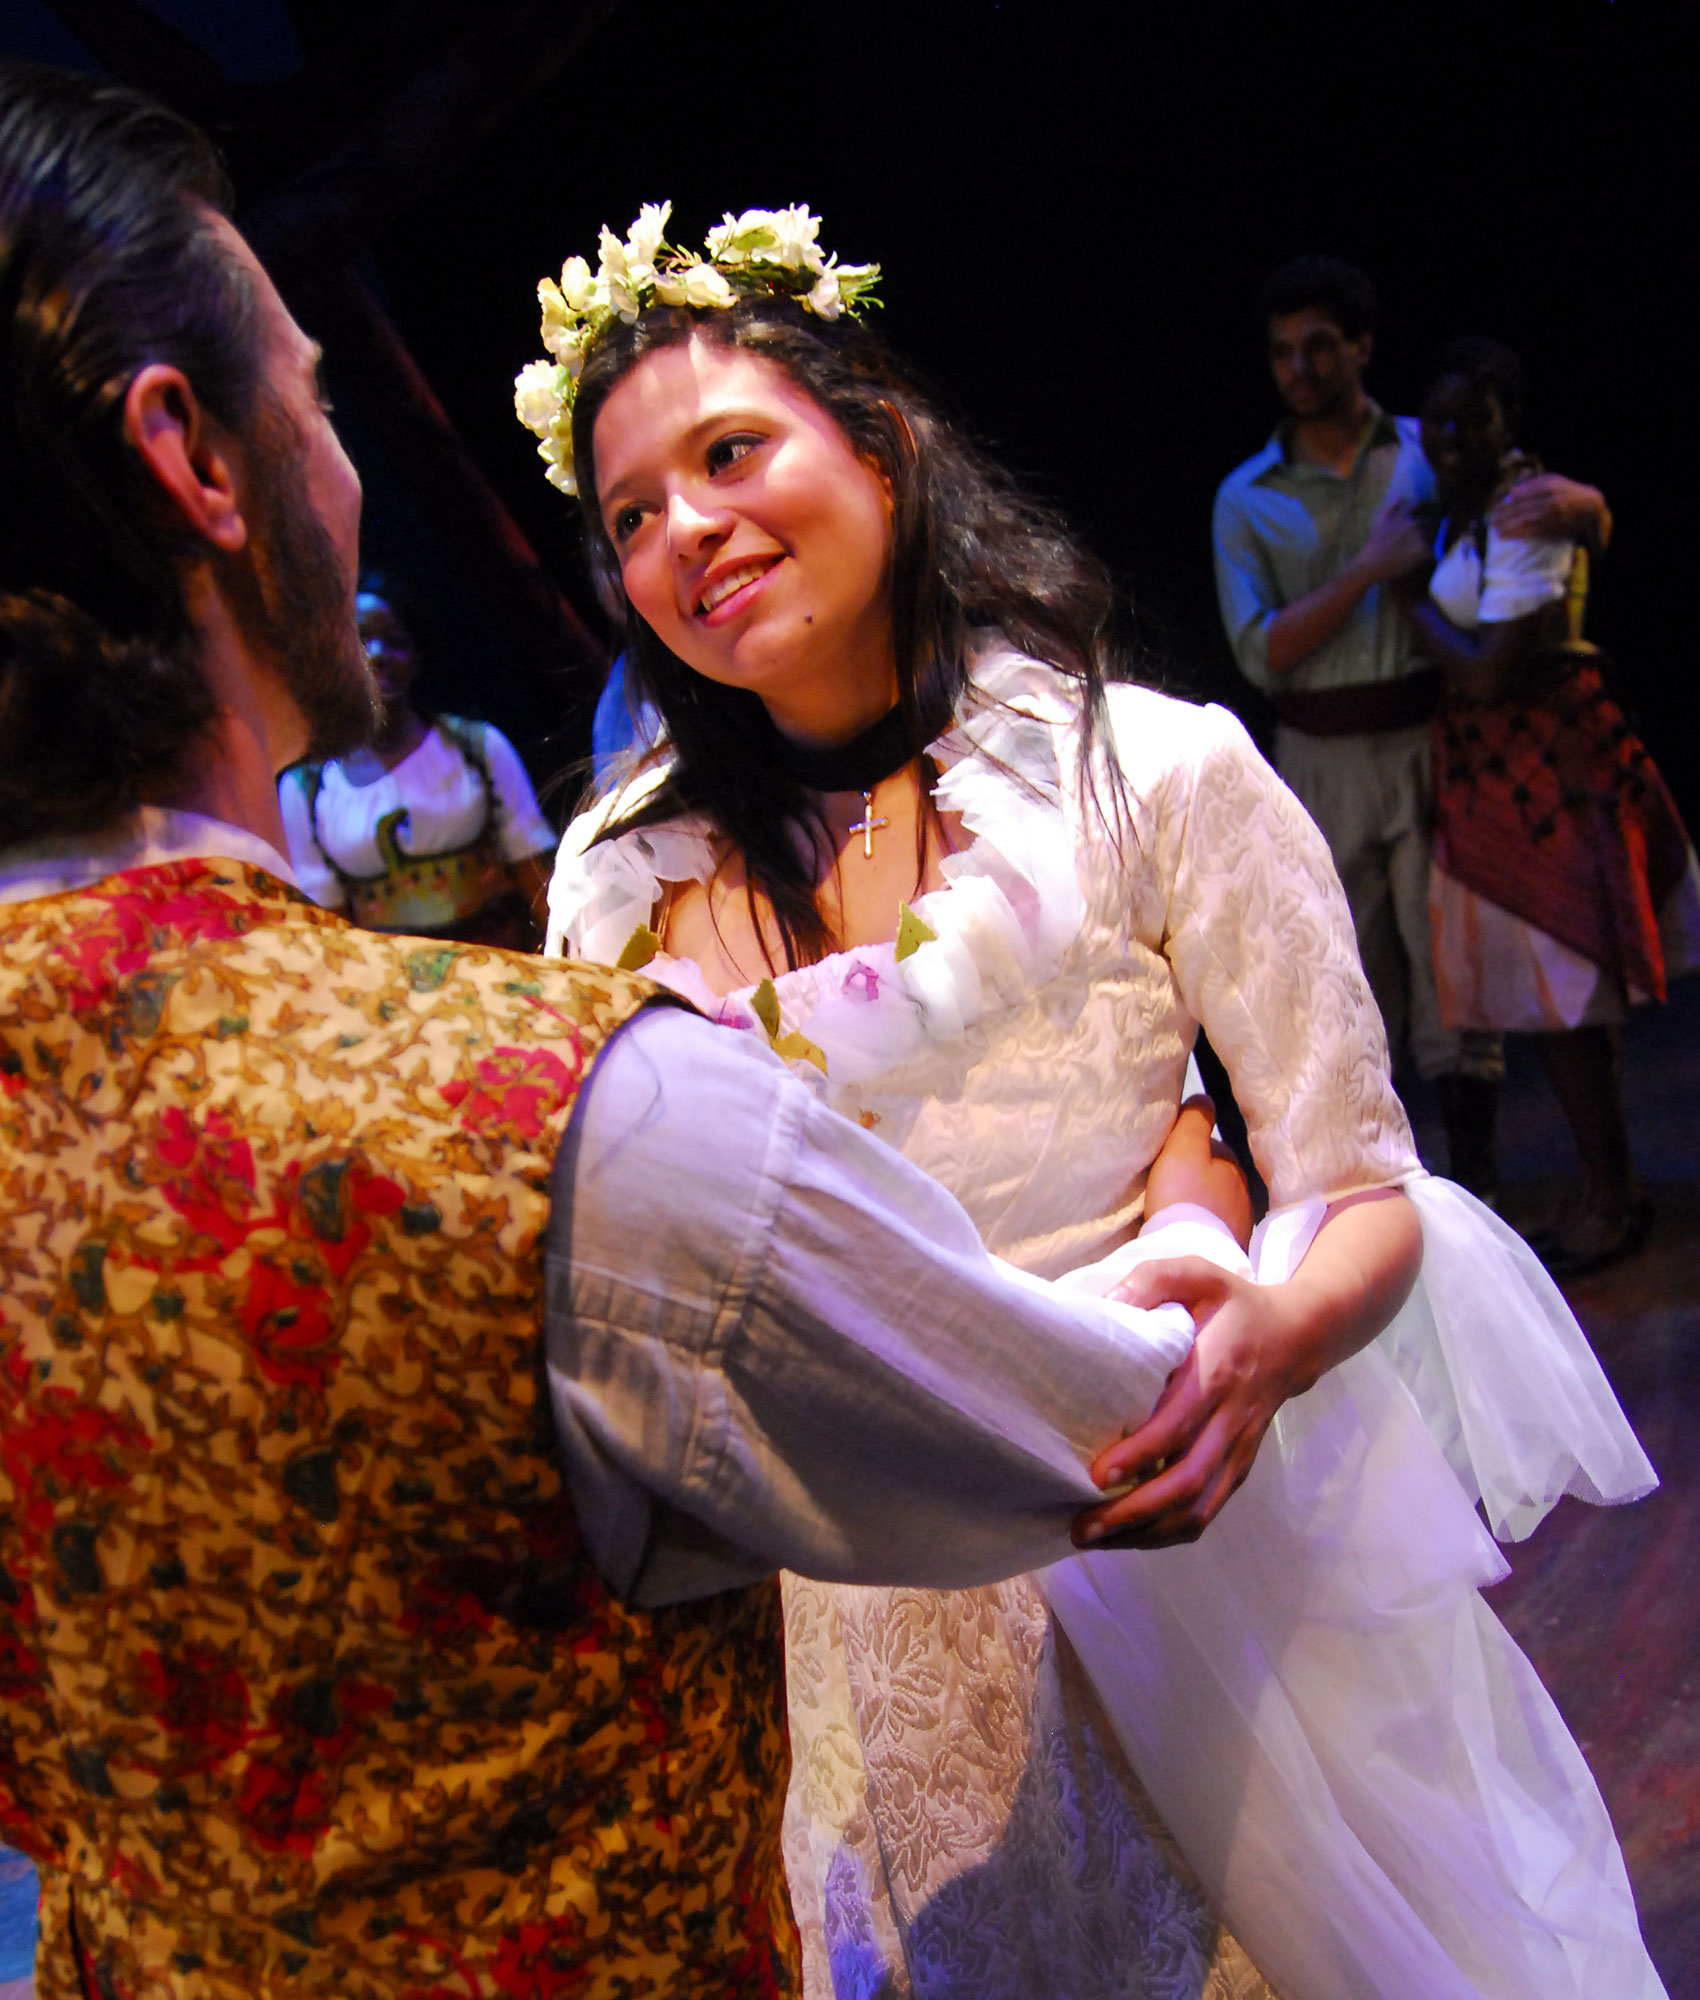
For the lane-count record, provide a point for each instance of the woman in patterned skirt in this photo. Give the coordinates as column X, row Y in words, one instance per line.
column 1563, row 885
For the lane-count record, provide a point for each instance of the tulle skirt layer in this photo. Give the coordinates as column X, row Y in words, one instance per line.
column 1351, row 1751
column 1331, row 1745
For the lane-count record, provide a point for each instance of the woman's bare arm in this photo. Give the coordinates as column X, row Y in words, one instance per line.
column 1479, row 665
column 1196, row 1167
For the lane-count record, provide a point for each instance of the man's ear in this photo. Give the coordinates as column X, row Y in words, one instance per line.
column 163, row 419
column 1365, row 344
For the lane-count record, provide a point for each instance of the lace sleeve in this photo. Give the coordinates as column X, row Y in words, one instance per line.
column 599, row 893
column 1263, row 951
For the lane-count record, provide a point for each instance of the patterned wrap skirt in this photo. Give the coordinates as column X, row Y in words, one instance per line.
column 1549, row 807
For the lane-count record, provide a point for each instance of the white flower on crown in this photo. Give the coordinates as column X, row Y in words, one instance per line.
column 782, row 236
column 577, row 286
column 560, row 320
column 647, row 235
column 536, row 395
column 705, row 286
column 622, row 280
column 543, row 403
column 694, row 283
column 824, row 300
column 612, row 255
column 558, row 466
column 763, row 251
column 727, row 244
column 794, row 233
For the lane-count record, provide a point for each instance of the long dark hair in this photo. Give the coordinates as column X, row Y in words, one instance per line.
column 109, row 259
column 971, row 554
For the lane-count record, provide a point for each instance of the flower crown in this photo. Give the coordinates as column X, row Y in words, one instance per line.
column 771, row 251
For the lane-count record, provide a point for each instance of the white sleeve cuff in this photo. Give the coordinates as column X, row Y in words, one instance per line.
column 1179, row 1230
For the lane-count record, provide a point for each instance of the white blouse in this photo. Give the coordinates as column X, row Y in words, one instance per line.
column 1516, row 576
column 446, row 804
column 1050, row 1018
column 1030, row 1054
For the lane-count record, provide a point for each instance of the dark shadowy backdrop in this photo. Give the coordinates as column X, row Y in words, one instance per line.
column 1074, row 205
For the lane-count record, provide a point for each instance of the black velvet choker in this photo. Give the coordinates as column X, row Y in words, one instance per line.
column 856, row 766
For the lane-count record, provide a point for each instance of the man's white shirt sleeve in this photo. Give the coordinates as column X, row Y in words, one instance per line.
column 773, row 1343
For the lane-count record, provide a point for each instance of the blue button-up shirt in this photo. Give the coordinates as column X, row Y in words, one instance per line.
column 1282, row 527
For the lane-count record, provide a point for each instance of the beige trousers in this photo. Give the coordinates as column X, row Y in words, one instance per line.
column 1370, row 795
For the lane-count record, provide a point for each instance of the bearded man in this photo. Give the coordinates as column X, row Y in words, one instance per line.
column 414, row 1360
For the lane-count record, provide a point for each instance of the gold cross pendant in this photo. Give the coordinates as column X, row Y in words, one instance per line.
column 867, row 825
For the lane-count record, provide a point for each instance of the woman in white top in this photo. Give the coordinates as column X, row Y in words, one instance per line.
column 1563, row 884
column 434, row 830
column 902, row 824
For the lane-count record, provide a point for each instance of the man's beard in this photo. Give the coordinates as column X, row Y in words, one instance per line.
column 298, row 603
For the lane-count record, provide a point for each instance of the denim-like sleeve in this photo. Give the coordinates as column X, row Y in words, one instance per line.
column 1246, row 589
column 772, row 1343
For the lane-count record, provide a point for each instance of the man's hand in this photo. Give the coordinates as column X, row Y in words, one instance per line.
column 1398, row 543
column 1195, row 1166
column 1548, row 506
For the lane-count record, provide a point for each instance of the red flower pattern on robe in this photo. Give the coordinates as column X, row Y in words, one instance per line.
column 285, row 1798
column 287, row 1308
column 57, row 1444
column 128, row 923
column 20, row 1670
column 130, row 1876
column 211, row 1180
column 516, row 1092
column 201, row 1700
column 329, row 1203
column 289, row 1325
column 540, row 1961
column 444, row 1608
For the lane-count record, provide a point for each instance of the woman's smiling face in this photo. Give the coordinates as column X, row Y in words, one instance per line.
column 751, row 538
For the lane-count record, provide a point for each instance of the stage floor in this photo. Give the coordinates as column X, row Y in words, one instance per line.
column 1606, row 1601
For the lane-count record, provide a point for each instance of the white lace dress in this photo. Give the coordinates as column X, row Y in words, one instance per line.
column 1364, row 1775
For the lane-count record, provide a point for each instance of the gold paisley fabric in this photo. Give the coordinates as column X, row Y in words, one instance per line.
column 306, row 1684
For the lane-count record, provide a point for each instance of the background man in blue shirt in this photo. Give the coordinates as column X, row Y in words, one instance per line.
column 1306, row 532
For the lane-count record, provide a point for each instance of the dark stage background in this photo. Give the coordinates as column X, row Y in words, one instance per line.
column 1073, row 205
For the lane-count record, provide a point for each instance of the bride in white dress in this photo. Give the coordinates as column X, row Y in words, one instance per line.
column 900, row 824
